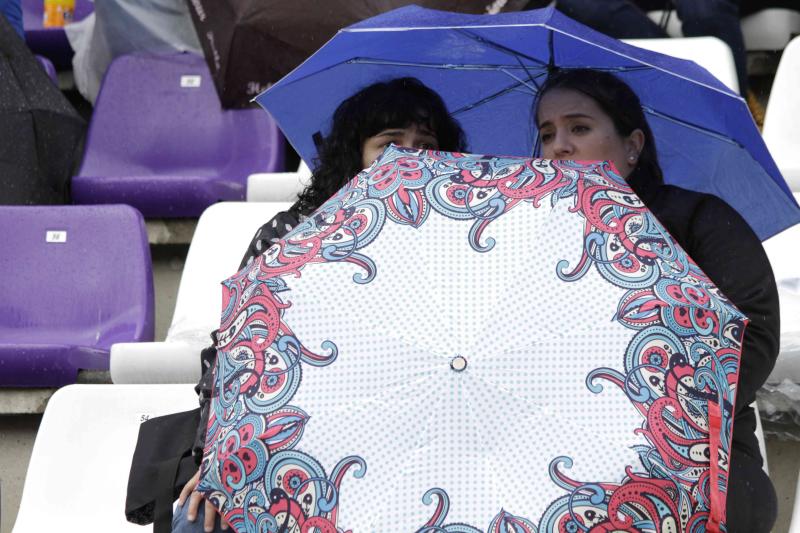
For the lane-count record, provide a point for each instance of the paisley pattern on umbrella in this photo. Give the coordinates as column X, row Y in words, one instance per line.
column 679, row 371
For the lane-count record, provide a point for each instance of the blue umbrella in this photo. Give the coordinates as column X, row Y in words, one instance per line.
column 488, row 69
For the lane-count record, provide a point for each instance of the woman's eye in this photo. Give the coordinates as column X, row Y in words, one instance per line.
column 580, row 129
column 547, row 137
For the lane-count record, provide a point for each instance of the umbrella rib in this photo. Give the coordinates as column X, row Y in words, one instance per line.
column 534, row 89
column 614, row 69
column 553, row 30
column 496, row 68
column 489, row 98
column 443, row 66
column 500, row 47
column 681, row 122
column 642, row 62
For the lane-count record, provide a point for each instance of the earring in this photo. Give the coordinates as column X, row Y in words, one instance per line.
column 631, row 158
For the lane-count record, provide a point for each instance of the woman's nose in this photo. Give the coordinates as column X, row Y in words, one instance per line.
column 408, row 140
column 562, row 147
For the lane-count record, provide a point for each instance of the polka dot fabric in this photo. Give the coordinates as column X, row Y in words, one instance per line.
column 464, row 344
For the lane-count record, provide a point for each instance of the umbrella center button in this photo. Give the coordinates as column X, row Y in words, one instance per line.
column 458, row 363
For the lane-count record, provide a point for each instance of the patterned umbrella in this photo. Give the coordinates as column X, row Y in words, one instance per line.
column 466, row 343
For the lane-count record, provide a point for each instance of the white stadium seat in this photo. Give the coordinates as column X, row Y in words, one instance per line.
column 784, row 254
column 770, row 29
column 278, row 186
column 709, row 52
column 794, row 526
column 781, row 131
column 766, row 30
column 78, row 473
column 223, row 233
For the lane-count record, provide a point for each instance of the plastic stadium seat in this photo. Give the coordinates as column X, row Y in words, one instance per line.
column 50, row 42
column 784, row 254
column 221, row 238
column 709, row 52
column 160, row 141
column 78, row 473
column 794, row 526
column 762, row 445
column 783, row 114
column 766, row 30
column 770, row 29
column 278, row 186
column 75, row 280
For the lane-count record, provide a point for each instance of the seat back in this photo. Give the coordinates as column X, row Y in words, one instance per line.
column 708, row 52
column 74, row 275
column 78, row 473
column 160, row 141
column 770, row 29
column 223, row 234
column 783, row 114
column 783, row 251
column 278, row 186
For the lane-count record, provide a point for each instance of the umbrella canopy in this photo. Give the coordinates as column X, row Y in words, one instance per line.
column 40, row 132
column 488, row 68
column 250, row 44
column 467, row 343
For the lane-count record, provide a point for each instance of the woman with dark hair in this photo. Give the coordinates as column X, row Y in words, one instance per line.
column 402, row 111
column 591, row 115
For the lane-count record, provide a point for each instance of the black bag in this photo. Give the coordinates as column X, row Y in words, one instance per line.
column 162, row 464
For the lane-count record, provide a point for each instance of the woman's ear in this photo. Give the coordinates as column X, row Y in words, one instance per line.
column 635, row 143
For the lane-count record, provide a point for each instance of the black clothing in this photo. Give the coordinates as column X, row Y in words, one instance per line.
column 752, row 504
column 722, row 244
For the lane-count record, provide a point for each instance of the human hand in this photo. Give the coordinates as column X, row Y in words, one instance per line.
column 195, row 498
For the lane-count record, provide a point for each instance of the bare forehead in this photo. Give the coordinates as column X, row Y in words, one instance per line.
column 559, row 104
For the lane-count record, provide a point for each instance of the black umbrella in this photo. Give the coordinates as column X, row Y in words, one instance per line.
column 40, row 132
column 249, row 44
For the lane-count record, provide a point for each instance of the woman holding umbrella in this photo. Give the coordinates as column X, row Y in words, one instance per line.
column 402, row 111
column 592, row 115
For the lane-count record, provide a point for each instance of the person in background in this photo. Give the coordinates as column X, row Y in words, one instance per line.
column 592, row 115
column 401, row 111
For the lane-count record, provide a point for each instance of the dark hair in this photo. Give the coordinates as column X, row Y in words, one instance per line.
column 397, row 103
column 621, row 104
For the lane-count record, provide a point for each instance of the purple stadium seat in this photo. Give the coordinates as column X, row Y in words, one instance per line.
column 51, row 43
column 73, row 281
column 48, row 67
column 160, row 141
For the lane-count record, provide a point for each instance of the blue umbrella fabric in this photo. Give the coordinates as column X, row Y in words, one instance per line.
column 459, row 343
column 488, row 68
